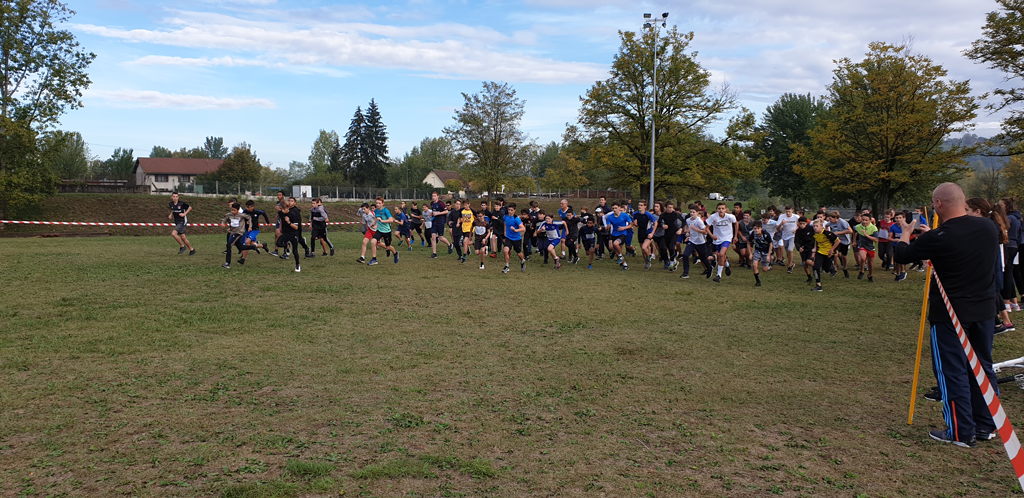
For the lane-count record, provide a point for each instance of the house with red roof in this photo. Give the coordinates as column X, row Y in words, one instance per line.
column 165, row 174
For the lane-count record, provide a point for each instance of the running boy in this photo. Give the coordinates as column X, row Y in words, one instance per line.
column 724, row 233
column 618, row 223
column 179, row 215
column 804, row 240
column 318, row 220
column 383, row 235
column 481, row 235
column 254, row 230
column 866, row 238
column 238, row 223
column 552, row 231
column 369, row 229
column 825, row 244
column 439, row 214
column 840, row 228
column 404, row 234
column 761, row 243
column 514, row 230
column 588, row 236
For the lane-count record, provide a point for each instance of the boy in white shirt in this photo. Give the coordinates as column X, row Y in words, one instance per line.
column 723, row 234
column 787, row 224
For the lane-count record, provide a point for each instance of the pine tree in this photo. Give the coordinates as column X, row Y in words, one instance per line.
column 351, row 152
column 375, row 142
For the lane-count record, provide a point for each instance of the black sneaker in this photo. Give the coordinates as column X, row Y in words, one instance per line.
column 717, row 279
column 241, row 261
column 871, row 279
column 310, row 255
column 985, row 436
column 934, row 395
column 1000, row 329
column 728, row 271
column 324, row 254
column 685, row 275
column 860, row 276
column 707, row 274
column 505, row 270
column 833, row 273
column 361, row 260
column 846, row 273
column 450, row 249
column 943, row 436
column 809, row 279
column 433, row 256
column 226, row 265
column 273, row 253
column 625, row 267
column 332, row 251
column 192, row 252
column 181, row 250
column 790, row 269
column 817, row 288
column 388, row 252
column 757, row 284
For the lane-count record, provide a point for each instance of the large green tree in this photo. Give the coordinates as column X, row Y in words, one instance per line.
column 66, row 154
column 487, row 130
column 372, row 170
column 42, row 75
column 881, row 141
column 353, row 150
column 240, row 166
column 616, row 119
column 786, row 123
column 1002, row 47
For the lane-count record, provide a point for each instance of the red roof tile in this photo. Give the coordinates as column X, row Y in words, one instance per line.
column 177, row 165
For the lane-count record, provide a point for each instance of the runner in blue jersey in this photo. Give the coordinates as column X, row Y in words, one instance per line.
column 618, row 222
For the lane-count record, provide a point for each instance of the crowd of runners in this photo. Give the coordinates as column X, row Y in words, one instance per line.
column 820, row 244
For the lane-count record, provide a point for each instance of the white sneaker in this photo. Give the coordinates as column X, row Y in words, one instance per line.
column 1014, row 307
column 1008, row 307
column 298, row 269
column 481, row 266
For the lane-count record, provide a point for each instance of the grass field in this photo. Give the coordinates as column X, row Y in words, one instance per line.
column 128, row 370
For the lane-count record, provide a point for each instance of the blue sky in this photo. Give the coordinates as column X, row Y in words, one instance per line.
column 274, row 72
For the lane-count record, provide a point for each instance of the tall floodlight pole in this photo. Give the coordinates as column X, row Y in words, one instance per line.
column 653, row 23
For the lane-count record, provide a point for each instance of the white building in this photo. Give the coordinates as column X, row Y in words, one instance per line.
column 165, row 174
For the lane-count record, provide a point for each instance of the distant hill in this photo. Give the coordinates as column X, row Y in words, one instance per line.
column 979, row 160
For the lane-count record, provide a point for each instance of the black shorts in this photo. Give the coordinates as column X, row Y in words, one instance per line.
column 479, row 243
column 384, row 237
column 807, row 255
column 180, row 227
column 285, row 238
column 739, row 245
column 843, row 249
column 620, row 238
column 588, row 244
column 515, row 245
column 318, row 233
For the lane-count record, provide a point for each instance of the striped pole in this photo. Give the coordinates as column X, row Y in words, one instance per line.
column 920, row 333
column 1010, row 442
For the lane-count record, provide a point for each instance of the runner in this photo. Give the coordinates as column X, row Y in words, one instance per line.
column 825, row 243
column 761, row 244
column 254, row 230
column 552, row 229
column 416, row 223
column 513, row 237
column 723, row 234
column 383, row 235
column 439, row 217
column 294, row 209
column 696, row 243
column 787, row 224
column 840, row 228
column 318, row 220
column 179, row 215
column 481, row 235
column 866, row 238
column 572, row 235
column 404, row 233
column 744, row 224
column 369, row 227
column 805, row 245
column 588, row 236
column 277, row 224
column 618, row 223
column 289, row 222
column 238, row 224
column 645, row 222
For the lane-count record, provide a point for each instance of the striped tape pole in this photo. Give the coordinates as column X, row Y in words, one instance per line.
column 99, row 224
column 1010, row 442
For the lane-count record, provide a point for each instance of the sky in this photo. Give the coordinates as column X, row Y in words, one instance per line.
column 273, row 73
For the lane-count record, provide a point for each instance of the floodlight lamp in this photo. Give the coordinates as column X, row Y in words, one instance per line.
column 647, row 25
column 647, row 16
column 664, row 15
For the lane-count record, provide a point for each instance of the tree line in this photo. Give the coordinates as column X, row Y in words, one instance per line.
column 879, row 135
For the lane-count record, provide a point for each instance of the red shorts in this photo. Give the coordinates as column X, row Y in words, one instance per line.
column 871, row 254
column 368, row 234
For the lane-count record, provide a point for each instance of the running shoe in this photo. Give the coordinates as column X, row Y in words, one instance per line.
column 647, row 265
column 558, row 264
column 432, row 256
column 790, row 269
column 324, row 254
column 758, row 284
column 423, row 243
column 192, row 252
column 399, row 242
column 372, row 262
column 494, row 255
column 181, row 250
column 273, row 253
column 388, row 252
column 590, row 267
column 846, row 273
column 396, row 258
column 576, row 260
column 809, row 279
column 1014, row 307
column 332, row 251
column 920, row 268
column 409, row 247
column 707, row 274
column 685, row 275
column 860, row 276
column 284, row 256
column 298, row 268
column 984, row 436
column 241, row 261
column 361, row 260
column 625, row 267
column 833, row 273
column 717, row 279
column 310, row 255
column 505, row 270
column 1009, row 327
column 903, row 276
column 728, row 271
column 450, row 249
column 223, row 252
column 944, row 437
column 871, row 279
column 481, row 266
column 817, row 288
column 522, row 265
column 226, row 265
column 1000, row 329
column 934, row 395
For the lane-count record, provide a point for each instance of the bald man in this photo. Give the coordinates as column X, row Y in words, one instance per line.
column 963, row 251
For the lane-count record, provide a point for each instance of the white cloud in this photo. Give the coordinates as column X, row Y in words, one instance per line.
column 441, row 50
column 154, row 99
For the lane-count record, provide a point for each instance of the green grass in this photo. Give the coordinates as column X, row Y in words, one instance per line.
column 128, row 370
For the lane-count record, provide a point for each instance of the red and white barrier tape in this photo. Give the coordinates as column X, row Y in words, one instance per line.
column 1010, row 442
column 98, row 224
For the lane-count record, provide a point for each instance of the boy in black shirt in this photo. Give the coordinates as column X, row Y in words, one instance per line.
column 761, row 243
column 294, row 210
column 179, row 216
column 588, row 235
column 481, row 234
column 254, row 230
column 572, row 224
column 318, row 219
column 416, row 223
column 804, row 240
column 290, row 221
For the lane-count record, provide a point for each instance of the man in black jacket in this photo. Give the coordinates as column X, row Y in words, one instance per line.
column 963, row 252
